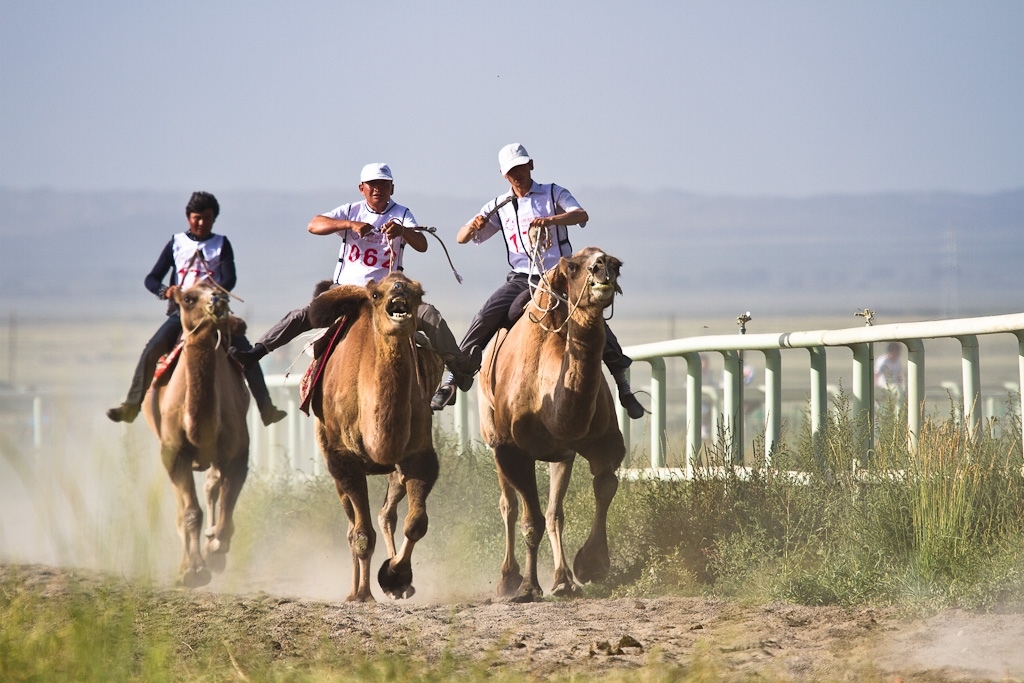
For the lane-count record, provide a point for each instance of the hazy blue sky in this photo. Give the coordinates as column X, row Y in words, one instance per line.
column 742, row 98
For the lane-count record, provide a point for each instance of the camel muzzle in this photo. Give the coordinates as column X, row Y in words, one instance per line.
column 604, row 277
column 217, row 307
column 398, row 308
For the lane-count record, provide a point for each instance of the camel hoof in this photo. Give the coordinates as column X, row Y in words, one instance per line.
column 404, row 594
column 567, row 590
column 218, row 546
column 595, row 575
column 527, row 593
column 589, row 569
column 508, row 585
column 195, row 578
column 522, row 598
column 396, row 582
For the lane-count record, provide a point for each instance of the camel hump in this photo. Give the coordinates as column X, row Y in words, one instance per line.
column 336, row 302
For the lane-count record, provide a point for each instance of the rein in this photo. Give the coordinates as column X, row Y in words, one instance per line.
column 208, row 273
column 544, row 284
column 208, row 315
column 429, row 231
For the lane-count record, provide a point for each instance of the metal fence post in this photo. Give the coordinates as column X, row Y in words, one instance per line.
column 972, row 382
column 819, row 399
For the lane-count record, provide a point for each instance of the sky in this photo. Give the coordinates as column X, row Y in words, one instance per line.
column 731, row 98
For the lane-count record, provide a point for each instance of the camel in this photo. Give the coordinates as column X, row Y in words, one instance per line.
column 373, row 417
column 543, row 397
column 198, row 415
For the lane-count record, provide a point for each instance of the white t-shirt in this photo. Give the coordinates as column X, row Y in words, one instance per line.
column 196, row 261
column 888, row 373
column 513, row 221
column 372, row 257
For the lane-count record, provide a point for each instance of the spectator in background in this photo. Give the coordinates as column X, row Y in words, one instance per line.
column 889, row 372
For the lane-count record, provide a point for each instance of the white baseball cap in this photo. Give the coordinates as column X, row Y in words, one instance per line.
column 375, row 172
column 511, row 156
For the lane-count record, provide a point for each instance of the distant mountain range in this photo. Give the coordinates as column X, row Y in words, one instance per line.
column 939, row 254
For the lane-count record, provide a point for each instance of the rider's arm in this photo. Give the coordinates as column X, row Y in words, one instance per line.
column 325, row 225
column 228, row 277
column 574, row 217
column 468, row 231
column 164, row 264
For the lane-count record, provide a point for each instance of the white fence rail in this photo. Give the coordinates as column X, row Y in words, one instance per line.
column 860, row 340
column 290, row 446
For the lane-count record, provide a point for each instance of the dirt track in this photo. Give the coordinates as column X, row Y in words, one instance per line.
column 588, row 635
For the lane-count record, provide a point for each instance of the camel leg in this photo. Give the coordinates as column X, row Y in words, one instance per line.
column 387, row 519
column 212, row 487
column 510, row 578
column 520, row 471
column 561, row 472
column 592, row 562
column 231, row 479
column 361, row 536
column 346, row 505
column 419, row 474
column 193, row 572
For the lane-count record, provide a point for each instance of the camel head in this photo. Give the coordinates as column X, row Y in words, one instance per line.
column 589, row 276
column 202, row 304
column 395, row 300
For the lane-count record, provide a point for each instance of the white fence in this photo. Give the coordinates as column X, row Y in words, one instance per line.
column 290, row 446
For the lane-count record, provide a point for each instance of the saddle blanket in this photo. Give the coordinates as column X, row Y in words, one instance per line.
column 322, row 349
column 168, row 361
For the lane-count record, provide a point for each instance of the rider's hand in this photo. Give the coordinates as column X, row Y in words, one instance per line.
column 393, row 229
column 478, row 224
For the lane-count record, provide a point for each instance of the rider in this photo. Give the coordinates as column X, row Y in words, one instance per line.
column 526, row 205
column 374, row 233
column 191, row 256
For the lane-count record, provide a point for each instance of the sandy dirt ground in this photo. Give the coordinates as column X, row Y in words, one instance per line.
column 787, row 642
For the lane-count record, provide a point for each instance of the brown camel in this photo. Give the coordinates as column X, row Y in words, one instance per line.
column 373, row 417
column 544, row 397
column 198, row 414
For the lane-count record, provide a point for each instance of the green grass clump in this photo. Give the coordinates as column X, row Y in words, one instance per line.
column 938, row 527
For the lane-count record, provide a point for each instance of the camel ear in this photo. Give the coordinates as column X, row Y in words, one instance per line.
column 335, row 302
column 559, row 275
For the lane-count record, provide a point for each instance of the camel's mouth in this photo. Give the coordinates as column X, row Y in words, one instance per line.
column 218, row 307
column 398, row 309
column 602, row 291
